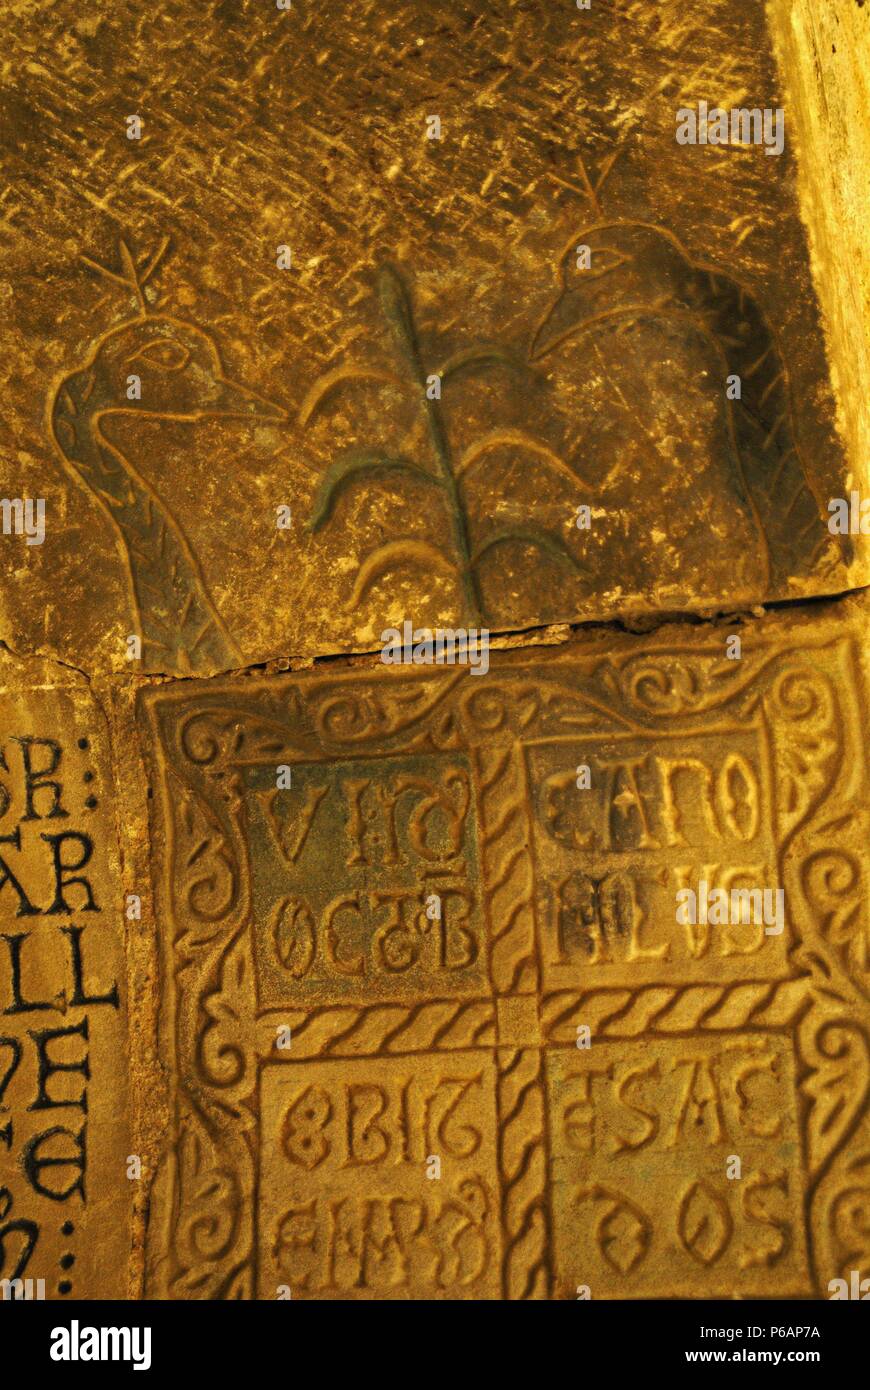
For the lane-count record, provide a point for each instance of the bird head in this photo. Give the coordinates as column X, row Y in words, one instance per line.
column 629, row 268
column 179, row 371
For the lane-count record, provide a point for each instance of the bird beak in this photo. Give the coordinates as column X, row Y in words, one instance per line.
column 236, row 402
column 563, row 318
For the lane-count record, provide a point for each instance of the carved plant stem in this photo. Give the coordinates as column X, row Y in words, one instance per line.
column 397, row 307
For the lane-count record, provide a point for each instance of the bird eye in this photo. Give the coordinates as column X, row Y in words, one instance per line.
column 164, row 353
column 602, row 260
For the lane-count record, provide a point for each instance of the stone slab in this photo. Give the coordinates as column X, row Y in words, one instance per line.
column 299, row 137
column 433, row 1023
column 66, row 1180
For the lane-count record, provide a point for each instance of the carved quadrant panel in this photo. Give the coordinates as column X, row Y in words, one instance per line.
column 377, row 973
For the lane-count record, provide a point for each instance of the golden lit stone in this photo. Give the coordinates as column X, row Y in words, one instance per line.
column 66, row 1181
column 437, row 943
column 330, row 331
column 379, row 315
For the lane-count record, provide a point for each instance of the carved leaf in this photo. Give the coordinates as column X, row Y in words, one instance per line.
column 332, row 381
column 531, row 535
column 832, row 881
column 466, row 362
column 358, row 465
column 396, row 304
column 208, row 1228
column 837, row 1082
column 389, row 556
column 515, row 439
column 225, row 1042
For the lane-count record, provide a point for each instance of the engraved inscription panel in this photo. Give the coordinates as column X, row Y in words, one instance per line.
column 660, row 815
column 342, row 1209
column 65, row 1193
column 641, row 1135
column 351, row 853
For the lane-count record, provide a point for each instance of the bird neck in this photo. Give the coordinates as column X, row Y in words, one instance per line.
column 76, row 415
column 178, row 624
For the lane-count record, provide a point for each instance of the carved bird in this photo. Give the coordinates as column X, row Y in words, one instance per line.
column 641, row 274
column 181, row 378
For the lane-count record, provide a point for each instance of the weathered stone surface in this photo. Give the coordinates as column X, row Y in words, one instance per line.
column 327, row 1034
column 65, row 1188
column 563, row 388
column 352, row 981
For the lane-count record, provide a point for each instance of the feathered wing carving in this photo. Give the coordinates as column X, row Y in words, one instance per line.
column 791, row 516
